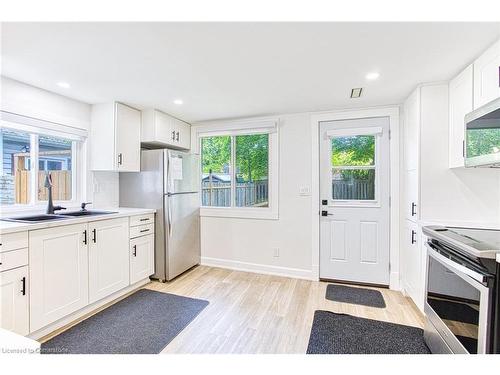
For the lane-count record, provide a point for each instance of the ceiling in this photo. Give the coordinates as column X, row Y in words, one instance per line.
column 229, row 70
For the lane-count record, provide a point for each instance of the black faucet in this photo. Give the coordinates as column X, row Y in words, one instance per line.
column 50, row 205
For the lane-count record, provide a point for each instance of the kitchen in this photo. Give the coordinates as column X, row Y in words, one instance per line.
column 239, row 207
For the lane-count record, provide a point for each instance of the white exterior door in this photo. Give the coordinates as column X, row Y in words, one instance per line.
column 108, row 257
column 354, row 193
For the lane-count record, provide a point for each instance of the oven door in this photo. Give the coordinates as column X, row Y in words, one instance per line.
column 457, row 306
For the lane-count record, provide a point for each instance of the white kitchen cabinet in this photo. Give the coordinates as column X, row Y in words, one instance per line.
column 411, row 195
column 141, row 258
column 58, row 259
column 115, row 138
column 411, row 130
column 108, row 257
column 14, row 303
column 411, row 256
column 460, row 103
column 487, row 76
column 160, row 130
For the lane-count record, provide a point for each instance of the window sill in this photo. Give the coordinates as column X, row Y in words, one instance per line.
column 240, row 213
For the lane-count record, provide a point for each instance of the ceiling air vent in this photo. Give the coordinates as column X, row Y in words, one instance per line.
column 356, row 93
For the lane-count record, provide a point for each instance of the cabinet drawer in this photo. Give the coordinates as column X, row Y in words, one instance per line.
column 13, row 241
column 141, row 219
column 142, row 230
column 13, row 259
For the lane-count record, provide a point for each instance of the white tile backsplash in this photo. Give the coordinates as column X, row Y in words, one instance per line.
column 105, row 189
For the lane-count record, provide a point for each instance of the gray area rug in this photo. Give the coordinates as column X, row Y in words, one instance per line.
column 333, row 333
column 143, row 323
column 357, row 296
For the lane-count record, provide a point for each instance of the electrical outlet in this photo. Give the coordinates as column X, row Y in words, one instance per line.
column 276, row 252
column 305, row 191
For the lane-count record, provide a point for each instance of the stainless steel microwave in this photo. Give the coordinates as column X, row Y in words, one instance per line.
column 482, row 136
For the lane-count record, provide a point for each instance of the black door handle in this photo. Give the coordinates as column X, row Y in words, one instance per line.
column 23, row 290
column 94, row 235
column 413, row 240
column 135, row 251
column 325, row 213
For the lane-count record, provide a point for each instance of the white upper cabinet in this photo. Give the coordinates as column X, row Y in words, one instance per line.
column 487, row 76
column 460, row 103
column 115, row 138
column 162, row 130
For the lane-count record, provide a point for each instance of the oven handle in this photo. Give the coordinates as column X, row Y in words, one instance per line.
column 455, row 266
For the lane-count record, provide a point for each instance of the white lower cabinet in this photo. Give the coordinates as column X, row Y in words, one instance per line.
column 58, row 261
column 108, row 258
column 412, row 262
column 141, row 258
column 14, row 311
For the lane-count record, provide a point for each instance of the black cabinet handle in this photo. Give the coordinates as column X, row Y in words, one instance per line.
column 85, row 236
column 413, row 206
column 120, row 158
column 177, row 136
column 94, row 235
column 173, row 135
column 144, row 230
column 23, row 290
column 144, row 219
column 413, row 240
column 135, row 251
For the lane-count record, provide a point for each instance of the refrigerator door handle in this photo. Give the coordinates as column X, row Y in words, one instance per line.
column 169, row 218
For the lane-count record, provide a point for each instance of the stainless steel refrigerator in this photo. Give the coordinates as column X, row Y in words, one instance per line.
column 168, row 182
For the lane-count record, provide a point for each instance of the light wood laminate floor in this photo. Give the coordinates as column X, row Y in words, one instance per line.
column 255, row 313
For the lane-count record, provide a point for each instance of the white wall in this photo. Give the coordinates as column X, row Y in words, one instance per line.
column 249, row 243
column 460, row 196
column 26, row 100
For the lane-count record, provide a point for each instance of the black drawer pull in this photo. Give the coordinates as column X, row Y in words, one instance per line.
column 413, row 240
column 144, row 219
column 413, row 206
column 144, row 230
column 135, row 251
column 23, row 290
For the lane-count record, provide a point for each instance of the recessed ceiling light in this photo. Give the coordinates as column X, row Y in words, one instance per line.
column 372, row 76
column 64, row 85
column 178, row 101
column 356, row 93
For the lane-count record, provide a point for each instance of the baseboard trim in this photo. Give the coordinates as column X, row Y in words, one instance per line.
column 235, row 265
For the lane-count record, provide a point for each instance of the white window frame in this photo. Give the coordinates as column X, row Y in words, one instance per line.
column 234, row 128
column 35, row 128
column 377, row 133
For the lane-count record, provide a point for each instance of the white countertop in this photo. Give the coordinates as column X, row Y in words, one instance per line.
column 10, row 226
column 12, row 343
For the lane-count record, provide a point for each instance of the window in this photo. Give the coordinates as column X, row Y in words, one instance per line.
column 237, row 172
column 26, row 158
column 353, row 167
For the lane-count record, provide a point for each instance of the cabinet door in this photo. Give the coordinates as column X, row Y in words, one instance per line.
column 460, row 103
column 14, row 314
column 487, row 76
column 184, row 130
column 412, row 262
column 141, row 258
column 164, row 132
column 58, row 273
column 411, row 130
column 128, row 138
column 108, row 257
column 411, row 195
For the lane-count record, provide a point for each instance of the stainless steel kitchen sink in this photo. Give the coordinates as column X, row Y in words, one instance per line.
column 86, row 213
column 35, row 218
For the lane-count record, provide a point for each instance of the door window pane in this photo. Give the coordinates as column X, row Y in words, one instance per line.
column 353, row 168
column 15, row 174
column 216, row 173
column 353, row 184
column 358, row 150
column 252, row 170
column 55, row 157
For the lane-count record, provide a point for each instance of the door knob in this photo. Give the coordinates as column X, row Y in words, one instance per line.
column 325, row 213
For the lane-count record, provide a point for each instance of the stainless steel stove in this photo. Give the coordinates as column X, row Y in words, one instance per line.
column 462, row 293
